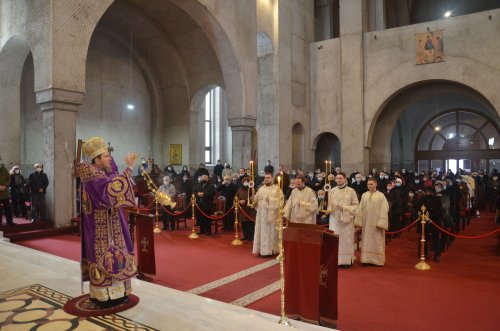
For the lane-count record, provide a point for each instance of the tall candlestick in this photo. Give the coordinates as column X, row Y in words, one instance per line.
column 279, row 189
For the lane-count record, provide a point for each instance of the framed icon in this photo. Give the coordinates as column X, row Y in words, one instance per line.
column 175, row 154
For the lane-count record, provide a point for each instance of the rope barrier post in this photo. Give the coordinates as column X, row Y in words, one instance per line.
column 422, row 265
column 236, row 241
column 157, row 227
column 193, row 234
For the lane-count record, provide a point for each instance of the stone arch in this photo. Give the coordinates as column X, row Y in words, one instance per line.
column 401, row 102
column 13, row 55
column 298, row 146
column 327, row 147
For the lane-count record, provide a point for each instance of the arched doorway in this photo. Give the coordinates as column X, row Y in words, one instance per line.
column 396, row 127
column 458, row 139
column 327, row 148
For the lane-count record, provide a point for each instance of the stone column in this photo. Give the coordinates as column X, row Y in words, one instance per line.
column 59, row 129
column 241, row 129
column 352, row 24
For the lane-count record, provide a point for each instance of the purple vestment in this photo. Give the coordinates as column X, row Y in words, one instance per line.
column 107, row 250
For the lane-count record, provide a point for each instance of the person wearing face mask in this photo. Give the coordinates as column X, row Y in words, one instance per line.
column 247, row 225
column 291, row 186
column 269, row 168
column 266, row 201
column 5, row 194
column 322, row 216
column 186, row 187
column 359, row 185
column 204, row 193
column 17, row 192
column 493, row 189
column 416, row 183
column 201, row 171
column 342, row 205
column 38, row 183
column 228, row 190
column 169, row 189
column 143, row 166
column 185, row 172
column 302, row 206
column 393, row 196
column 227, row 171
column 434, row 206
column 170, row 172
column 382, row 183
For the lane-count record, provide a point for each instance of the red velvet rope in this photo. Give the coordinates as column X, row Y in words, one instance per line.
column 465, row 237
column 175, row 213
column 248, row 216
column 216, row 217
column 150, row 206
column 403, row 229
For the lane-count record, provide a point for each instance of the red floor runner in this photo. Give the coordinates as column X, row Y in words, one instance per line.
column 460, row 293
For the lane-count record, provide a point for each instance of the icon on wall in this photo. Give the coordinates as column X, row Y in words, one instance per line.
column 175, row 154
column 430, row 47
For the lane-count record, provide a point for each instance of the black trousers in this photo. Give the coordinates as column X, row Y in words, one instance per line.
column 7, row 209
column 167, row 218
column 204, row 222
column 248, row 229
column 18, row 204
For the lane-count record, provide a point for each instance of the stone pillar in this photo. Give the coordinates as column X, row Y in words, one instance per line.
column 59, row 129
column 352, row 24
column 241, row 129
column 377, row 15
column 10, row 125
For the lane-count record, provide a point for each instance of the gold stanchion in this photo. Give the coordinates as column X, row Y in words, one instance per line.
column 193, row 234
column 283, row 319
column 236, row 241
column 422, row 265
column 157, row 227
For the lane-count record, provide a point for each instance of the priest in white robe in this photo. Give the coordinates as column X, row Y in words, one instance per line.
column 265, row 240
column 343, row 205
column 302, row 206
column 373, row 217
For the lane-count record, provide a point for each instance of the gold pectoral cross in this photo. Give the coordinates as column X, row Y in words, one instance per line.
column 145, row 244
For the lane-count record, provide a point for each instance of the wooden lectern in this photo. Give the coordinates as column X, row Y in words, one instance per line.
column 143, row 222
column 311, row 272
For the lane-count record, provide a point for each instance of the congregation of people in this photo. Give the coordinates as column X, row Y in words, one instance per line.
column 20, row 196
column 359, row 208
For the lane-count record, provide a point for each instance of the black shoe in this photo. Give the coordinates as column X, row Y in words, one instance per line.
column 200, row 233
column 11, row 223
column 437, row 259
column 244, row 238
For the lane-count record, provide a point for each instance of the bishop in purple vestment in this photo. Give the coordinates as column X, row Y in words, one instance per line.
column 107, row 251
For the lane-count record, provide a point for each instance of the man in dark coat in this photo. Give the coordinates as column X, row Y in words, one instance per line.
column 228, row 190
column 204, row 193
column 4, row 194
column 17, row 192
column 38, row 183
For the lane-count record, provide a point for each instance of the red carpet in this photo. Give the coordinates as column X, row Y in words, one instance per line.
column 82, row 306
column 460, row 293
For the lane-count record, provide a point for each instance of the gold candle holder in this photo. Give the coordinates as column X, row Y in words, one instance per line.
column 283, row 319
column 193, row 234
column 236, row 241
column 422, row 265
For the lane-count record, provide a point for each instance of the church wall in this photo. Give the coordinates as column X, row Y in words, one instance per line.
column 470, row 44
column 296, row 31
column 109, row 88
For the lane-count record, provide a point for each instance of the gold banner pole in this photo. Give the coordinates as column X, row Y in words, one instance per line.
column 236, row 241
column 422, row 265
column 193, row 234
column 283, row 320
column 157, row 227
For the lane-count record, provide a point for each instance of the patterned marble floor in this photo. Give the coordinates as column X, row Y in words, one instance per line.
column 160, row 307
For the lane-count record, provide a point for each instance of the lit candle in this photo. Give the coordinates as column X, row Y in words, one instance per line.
column 279, row 191
column 326, row 167
column 251, row 170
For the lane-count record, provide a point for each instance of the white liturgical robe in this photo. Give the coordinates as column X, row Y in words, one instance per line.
column 373, row 217
column 267, row 205
column 302, row 206
column 343, row 205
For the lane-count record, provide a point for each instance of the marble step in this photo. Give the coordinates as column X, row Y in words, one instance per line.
column 2, row 238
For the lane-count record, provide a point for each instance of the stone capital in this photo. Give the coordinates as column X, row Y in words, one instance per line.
column 242, row 123
column 56, row 98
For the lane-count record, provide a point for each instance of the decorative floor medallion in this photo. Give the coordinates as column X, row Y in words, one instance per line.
column 36, row 307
